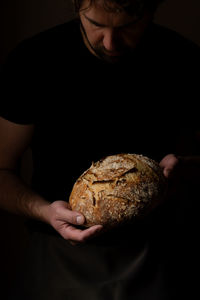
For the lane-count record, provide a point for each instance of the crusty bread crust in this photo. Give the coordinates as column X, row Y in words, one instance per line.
column 117, row 189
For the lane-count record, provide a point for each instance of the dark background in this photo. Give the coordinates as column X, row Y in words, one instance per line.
column 20, row 19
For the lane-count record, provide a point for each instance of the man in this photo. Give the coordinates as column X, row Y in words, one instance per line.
column 108, row 82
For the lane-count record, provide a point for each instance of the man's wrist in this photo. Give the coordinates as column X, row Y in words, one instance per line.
column 43, row 212
column 189, row 167
column 180, row 159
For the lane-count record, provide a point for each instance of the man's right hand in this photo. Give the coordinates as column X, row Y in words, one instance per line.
column 63, row 220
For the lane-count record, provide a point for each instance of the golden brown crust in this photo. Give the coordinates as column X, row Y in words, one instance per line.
column 117, row 189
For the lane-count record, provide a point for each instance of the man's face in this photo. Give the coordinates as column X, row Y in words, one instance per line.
column 111, row 35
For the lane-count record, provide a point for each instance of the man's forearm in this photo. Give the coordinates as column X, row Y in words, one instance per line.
column 16, row 197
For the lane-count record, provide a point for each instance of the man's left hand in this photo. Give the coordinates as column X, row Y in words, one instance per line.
column 169, row 164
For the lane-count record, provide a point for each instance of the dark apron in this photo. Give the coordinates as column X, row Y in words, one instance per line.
column 127, row 263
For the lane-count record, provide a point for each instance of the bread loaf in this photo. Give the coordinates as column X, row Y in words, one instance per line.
column 118, row 189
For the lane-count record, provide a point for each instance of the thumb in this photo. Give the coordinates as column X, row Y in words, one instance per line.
column 77, row 218
column 166, row 172
column 64, row 212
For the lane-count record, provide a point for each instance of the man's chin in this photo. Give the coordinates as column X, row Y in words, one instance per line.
column 113, row 58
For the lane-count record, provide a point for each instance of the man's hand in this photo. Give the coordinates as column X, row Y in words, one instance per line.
column 169, row 164
column 186, row 168
column 63, row 219
column 172, row 171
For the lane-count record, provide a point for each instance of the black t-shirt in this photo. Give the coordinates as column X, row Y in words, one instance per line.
column 84, row 109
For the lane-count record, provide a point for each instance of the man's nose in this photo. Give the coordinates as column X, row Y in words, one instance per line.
column 109, row 40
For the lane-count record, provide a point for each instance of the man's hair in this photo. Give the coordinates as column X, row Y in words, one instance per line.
column 131, row 7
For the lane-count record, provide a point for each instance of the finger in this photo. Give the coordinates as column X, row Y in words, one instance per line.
column 166, row 172
column 69, row 216
column 78, row 235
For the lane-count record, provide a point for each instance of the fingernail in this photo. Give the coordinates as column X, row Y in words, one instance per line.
column 79, row 220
